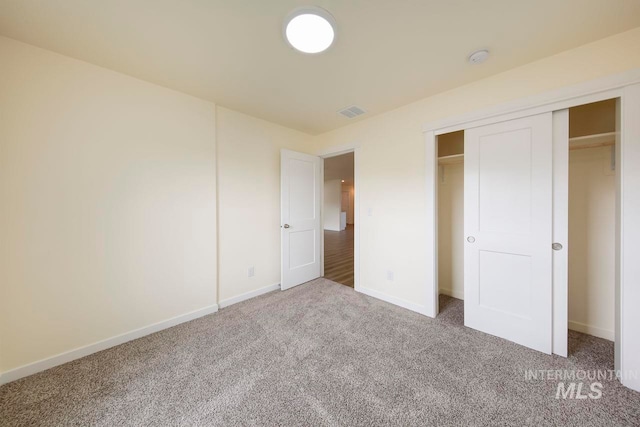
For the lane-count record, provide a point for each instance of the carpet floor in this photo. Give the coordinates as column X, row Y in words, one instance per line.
column 319, row 354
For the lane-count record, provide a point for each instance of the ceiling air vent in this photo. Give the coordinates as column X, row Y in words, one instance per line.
column 351, row 112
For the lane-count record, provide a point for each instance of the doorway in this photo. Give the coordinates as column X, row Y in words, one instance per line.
column 302, row 211
column 339, row 219
column 592, row 222
column 451, row 220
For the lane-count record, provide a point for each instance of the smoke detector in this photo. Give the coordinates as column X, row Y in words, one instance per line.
column 351, row 112
column 478, row 57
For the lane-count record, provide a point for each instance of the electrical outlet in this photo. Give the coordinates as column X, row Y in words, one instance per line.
column 390, row 275
column 251, row 271
column 369, row 211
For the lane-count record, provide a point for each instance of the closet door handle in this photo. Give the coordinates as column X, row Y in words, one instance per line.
column 471, row 239
column 557, row 246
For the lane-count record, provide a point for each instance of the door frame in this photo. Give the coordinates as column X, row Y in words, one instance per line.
column 626, row 88
column 355, row 149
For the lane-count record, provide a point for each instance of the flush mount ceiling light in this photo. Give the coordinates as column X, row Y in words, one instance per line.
column 310, row 29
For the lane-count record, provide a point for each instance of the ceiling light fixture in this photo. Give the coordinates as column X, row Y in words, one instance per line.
column 310, row 29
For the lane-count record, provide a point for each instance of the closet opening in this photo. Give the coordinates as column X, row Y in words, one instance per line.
column 592, row 227
column 450, row 202
column 591, row 244
column 522, row 190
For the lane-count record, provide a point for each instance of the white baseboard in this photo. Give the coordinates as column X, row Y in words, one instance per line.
column 68, row 356
column 592, row 330
column 248, row 295
column 393, row 300
column 452, row 293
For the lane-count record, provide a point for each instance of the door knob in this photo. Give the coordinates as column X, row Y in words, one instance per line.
column 287, row 226
column 556, row 246
column 471, row 239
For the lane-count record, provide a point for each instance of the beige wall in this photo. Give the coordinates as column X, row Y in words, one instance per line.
column 249, row 200
column 451, row 144
column 332, row 204
column 392, row 161
column 451, row 230
column 592, row 195
column 592, row 119
column 349, row 188
column 107, row 204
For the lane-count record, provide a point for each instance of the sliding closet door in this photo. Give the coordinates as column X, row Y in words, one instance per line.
column 508, row 228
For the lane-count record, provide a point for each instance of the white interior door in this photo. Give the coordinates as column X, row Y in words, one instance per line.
column 300, row 217
column 508, row 226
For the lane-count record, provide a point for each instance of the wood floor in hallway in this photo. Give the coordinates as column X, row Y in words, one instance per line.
column 338, row 256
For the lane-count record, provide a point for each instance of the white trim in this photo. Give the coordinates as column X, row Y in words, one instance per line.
column 547, row 101
column 338, row 150
column 628, row 274
column 618, row 239
column 322, row 216
column 452, row 293
column 527, row 112
column 393, row 300
column 431, row 238
column 68, row 356
column 248, row 295
column 356, row 219
column 560, row 233
column 333, row 152
column 592, row 330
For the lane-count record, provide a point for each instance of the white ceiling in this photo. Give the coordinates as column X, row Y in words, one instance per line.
column 387, row 52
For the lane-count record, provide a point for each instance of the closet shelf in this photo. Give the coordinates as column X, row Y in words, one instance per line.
column 577, row 143
column 449, row 160
column 592, row 141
